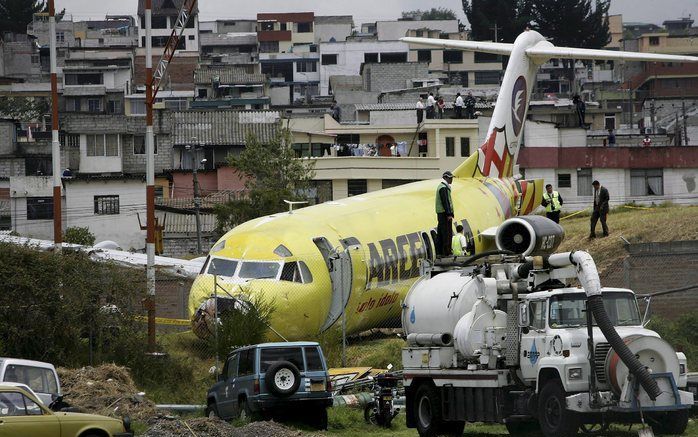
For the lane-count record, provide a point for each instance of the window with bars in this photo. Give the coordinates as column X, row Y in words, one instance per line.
column 424, row 55
column 306, row 66
column 564, row 180
column 106, row 205
column 39, row 208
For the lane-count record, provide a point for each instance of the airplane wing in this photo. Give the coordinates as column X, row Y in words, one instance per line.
column 175, row 266
column 495, row 48
column 548, row 51
column 545, row 50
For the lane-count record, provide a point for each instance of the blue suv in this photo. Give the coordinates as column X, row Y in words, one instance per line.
column 273, row 379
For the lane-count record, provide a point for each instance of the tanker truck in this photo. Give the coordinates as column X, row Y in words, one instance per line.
column 527, row 337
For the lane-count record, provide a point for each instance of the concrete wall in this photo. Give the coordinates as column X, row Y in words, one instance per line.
column 122, row 228
column 350, row 56
column 7, row 138
column 180, row 246
column 388, row 77
column 324, row 32
column 22, row 187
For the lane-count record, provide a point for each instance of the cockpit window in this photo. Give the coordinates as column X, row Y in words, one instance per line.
column 296, row 271
column 282, row 251
column 222, row 267
column 258, row 270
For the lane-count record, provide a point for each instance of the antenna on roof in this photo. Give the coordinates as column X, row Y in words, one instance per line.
column 291, row 203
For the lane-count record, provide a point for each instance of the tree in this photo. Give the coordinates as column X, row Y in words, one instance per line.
column 508, row 17
column 28, row 109
column 573, row 23
column 16, row 14
column 432, row 14
column 79, row 235
column 273, row 174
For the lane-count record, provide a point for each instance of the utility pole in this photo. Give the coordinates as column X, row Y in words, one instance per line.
column 197, row 195
column 55, row 141
column 150, row 177
column 496, row 34
column 685, row 121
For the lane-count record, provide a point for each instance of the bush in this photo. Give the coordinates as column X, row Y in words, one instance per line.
column 78, row 235
column 246, row 323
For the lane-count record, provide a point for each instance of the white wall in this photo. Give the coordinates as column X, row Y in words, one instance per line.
column 22, row 187
column 338, row 31
column 123, row 227
column 350, row 56
column 99, row 164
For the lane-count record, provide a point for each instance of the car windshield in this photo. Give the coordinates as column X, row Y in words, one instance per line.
column 570, row 310
column 258, row 270
column 40, row 380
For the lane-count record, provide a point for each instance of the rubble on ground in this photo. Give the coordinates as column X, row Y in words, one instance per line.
column 107, row 389
column 205, row 427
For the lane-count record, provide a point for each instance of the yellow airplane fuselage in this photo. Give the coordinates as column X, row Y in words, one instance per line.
column 386, row 230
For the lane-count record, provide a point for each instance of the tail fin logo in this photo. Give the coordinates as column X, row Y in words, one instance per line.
column 519, row 100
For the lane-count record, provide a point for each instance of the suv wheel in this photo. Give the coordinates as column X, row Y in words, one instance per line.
column 211, row 411
column 246, row 415
column 282, row 378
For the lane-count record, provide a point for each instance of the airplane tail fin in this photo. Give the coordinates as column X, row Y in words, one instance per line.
column 497, row 156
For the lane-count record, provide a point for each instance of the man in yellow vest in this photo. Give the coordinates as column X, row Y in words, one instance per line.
column 459, row 244
column 552, row 201
column 444, row 215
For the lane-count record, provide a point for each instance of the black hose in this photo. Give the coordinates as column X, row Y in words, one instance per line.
column 635, row 367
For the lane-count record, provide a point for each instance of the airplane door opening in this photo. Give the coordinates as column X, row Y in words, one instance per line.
column 339, row 265
column 428, row 246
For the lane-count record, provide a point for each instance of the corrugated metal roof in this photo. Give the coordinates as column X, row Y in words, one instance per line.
column 223, row 128
column 227, row 76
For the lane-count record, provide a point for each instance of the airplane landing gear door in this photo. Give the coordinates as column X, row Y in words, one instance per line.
column 341, row 268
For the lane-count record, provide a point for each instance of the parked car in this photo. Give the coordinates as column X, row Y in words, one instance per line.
column 22, row 414
column 39, row 376
column 273, row 379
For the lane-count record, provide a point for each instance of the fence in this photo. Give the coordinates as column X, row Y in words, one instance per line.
column 353, row 297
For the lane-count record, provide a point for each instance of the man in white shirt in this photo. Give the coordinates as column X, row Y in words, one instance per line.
column 420, row 110
column 459, row 106
column 431, row 106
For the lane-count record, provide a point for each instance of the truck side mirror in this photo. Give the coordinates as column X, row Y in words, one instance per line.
column 523, row 315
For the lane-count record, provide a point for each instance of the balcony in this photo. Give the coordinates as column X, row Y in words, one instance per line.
column 274, row 35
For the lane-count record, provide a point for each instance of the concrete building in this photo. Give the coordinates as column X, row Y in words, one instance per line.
column 215, row 134
column 394, row 30
column 427, row 149
column 570, row 161
column 20, row 58
column 31, row 205
column 472, row 70
column 393, row 76
column 280, row 32
column 230, row 48
column 293, row 77
column 109, row 206
column 333, row 28
column 165, row 13
column 345, row 58
column 230, row 87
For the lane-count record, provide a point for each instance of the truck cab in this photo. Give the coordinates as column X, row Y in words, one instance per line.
column 554, row 337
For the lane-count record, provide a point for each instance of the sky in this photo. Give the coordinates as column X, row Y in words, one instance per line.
column 652, row 11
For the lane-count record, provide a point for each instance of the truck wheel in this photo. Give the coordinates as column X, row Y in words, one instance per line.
column 523, row 427
column 246, row 414
column 282, row 378
column 427, row 411
column 320, row 419
column 554, row 417
column 669, row 423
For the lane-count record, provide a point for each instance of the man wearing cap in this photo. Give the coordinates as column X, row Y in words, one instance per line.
column 600, row 209
column 444, row 215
